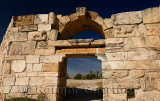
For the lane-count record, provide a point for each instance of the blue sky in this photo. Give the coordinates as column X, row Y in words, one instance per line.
column 105, row 8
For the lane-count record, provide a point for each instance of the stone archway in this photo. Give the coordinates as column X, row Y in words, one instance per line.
column 31, row 53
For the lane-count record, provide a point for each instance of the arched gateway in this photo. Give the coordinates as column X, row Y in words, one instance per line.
column 34, row 50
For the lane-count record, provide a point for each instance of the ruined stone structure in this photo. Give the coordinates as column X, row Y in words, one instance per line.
column 35, row 48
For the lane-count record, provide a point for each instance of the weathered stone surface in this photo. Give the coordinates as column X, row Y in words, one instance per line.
column 127, row 18
column 37, row 35
column 9, row 81
column 93, row 15
column 16, row 57
column 73, row 17
column 28, row 28
column 135, row 74
column 107, row 23
column 141, row 42
column 52, row 18
column 42, row 44
column 126, row 65
column 22, row 81
column 99, row 20
column 15, row 48
column 142, row 54
column 129, row 30
column 18, row 65
column 32, row 90
column 155, row 64
column 20, row 36
column 50, row 68
column 153, row 40
column 36, row 81
column 151, row 15
column 51, row 59
column 28, row 68
column 28, row 47
column 116, row 56
column 7, row 68
column 45, row 51
column 32, row 59
column 114, row 40
column 37, row 67
column 115, row 74
column 30, row 74
column 81, row 11
column 47, row 74
column 64, row 20
column 51, row 81
column 41, row 19
column 6, row 89
column 52, row 35
column 19, row 89
column 24, row 20
column 44, row 27
column 59, row 16
column 153, row 29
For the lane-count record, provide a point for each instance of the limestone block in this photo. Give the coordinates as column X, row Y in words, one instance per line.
column 114, row 41
column 28, row 47
column 81, row 11
column 41, row 19
column 142, row 54
column 151, row 15
column 51, row 59
column 129, row 30
column 153, row 40
column 99, row 20
column 73, row 17
column 153, row 29
column 7, row 68
column 101, row 57
column 37, row 36
column 15, row 48
column 37, row 67
column 116, row 56
column 52, row 97
column 155, row 64
column 44, row 27
column 42, row 44
column 127, row 18
column 18, row 65
column 59, row 16
column 142, row 64
column 115, row 74
column 36, row 81
column 30, row 74
column 24, row 20
column 114, row 97
column 28, row 28
column 19, row 36
column 107, row 23
column 52, row 18
column 141, row 42
column 32, row 90
column 52, row 35
column 32, row 59
column 64, row 20
column 50, row 68
column 22, row 81
column 108, row 34
column 135, row 74
column 52, row 81
column 16, row 57
column 93, row 15
column 9, row 81
column 28, row 68
column 47, row 74
column 6, row 89
column 45, row 51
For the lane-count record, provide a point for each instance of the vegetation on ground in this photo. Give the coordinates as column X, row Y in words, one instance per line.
column 90, row 76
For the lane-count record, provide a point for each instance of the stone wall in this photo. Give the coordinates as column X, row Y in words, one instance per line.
column 35, row 48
